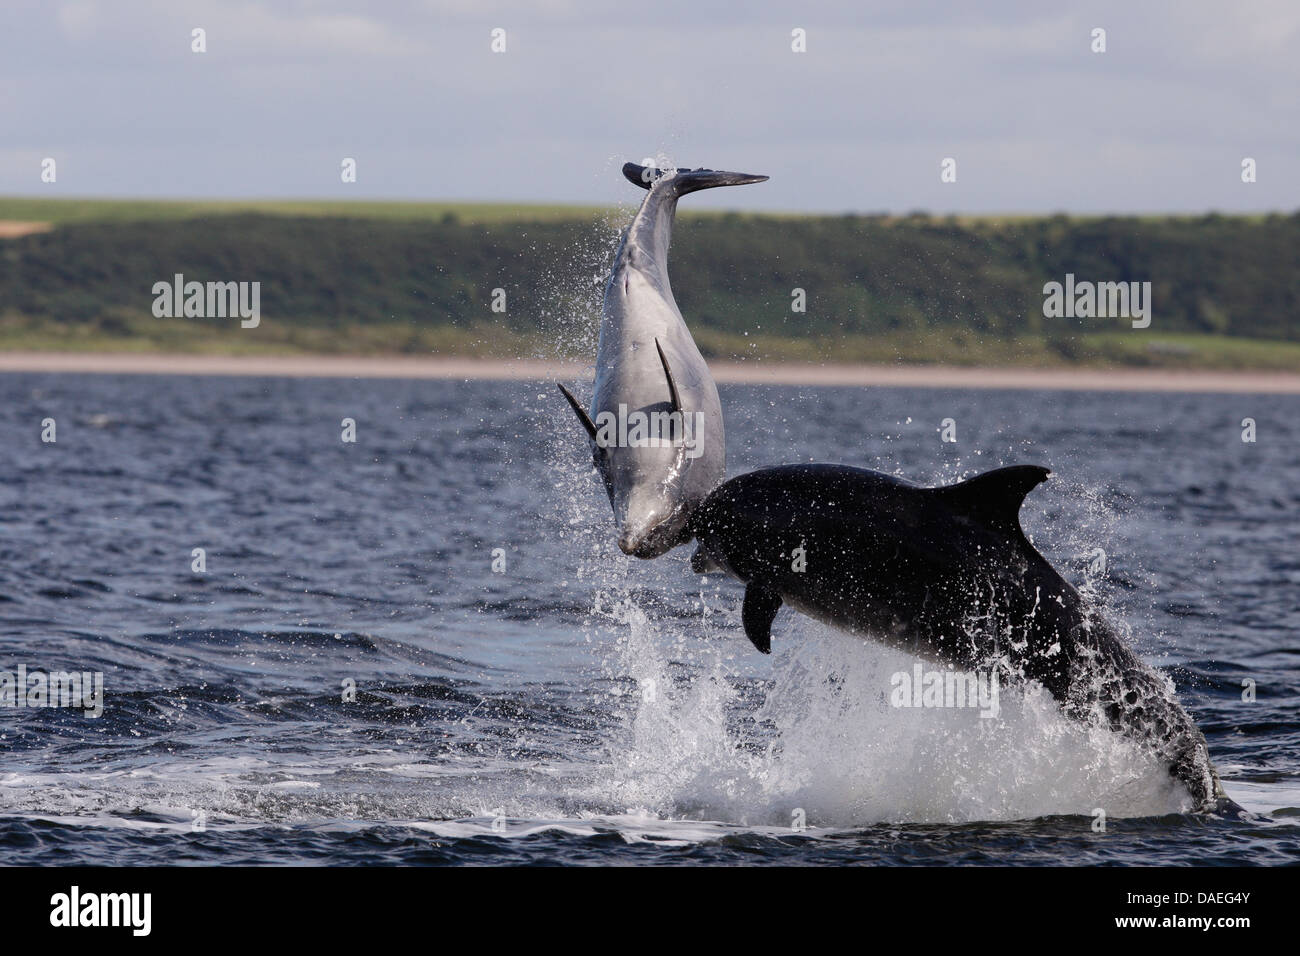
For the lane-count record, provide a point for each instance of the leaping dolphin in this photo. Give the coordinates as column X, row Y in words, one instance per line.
column 655, row 426
column 946, row 574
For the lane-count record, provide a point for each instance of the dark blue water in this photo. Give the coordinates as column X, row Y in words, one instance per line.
column 582, row 706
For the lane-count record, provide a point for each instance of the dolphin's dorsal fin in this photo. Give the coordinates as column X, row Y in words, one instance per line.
column 994, row 498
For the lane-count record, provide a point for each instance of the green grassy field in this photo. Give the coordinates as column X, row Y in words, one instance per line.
column 60, row 212
column 75, row 210
column 145, row 334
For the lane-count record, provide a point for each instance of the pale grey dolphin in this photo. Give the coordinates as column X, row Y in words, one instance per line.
column 656, row 422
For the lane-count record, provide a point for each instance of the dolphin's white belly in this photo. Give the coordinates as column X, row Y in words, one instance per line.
column 628, row 369
column 630, row 378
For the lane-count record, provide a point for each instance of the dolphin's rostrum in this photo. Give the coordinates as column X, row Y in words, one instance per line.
column 655, row 426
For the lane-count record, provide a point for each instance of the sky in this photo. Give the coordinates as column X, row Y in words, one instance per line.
column 861, row 121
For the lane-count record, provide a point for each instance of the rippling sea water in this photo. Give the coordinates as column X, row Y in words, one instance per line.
column 581, row 706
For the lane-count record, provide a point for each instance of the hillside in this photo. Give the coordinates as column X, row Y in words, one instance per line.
column 415, row 278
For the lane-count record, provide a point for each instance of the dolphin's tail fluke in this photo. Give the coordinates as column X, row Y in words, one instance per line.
column 683, row 181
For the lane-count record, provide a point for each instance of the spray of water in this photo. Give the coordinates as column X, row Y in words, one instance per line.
column 820, row 743
column 811, row 736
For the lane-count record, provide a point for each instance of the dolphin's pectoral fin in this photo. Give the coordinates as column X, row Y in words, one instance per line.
column 598, row 454
column 1224, row 806
column 580, row 412
column 701, row 563
column 757, row 614
column 675, row 397
column 672, row 385
column 994, row 497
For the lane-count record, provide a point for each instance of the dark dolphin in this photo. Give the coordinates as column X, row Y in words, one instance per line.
column 946, row 574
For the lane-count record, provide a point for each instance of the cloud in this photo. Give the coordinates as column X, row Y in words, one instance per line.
column 860, row 121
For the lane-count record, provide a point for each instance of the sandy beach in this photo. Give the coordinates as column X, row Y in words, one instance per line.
column 772, row 373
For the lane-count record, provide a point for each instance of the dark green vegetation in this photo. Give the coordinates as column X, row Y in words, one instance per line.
column 419, row 278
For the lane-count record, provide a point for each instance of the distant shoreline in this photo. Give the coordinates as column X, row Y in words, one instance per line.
column 754, row 373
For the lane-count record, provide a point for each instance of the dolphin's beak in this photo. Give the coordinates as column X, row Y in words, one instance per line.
column 649, row 542
column 628, row 543
column 650, row 527
column 639, row 545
